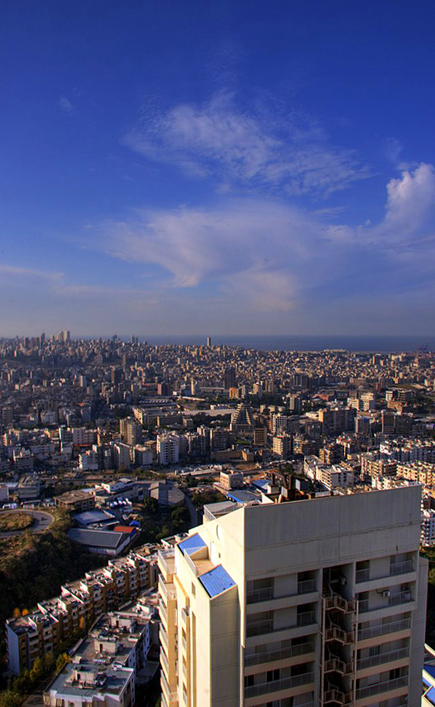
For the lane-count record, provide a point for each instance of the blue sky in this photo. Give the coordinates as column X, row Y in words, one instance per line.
column 224, row 168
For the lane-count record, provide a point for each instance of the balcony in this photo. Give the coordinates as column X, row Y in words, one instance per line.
column 383, row 629
column 382, row 658
column 306, row 586
column 393, row 600
column 260, row 627
column 396, row 568
column 400, row 598
column 362, row 575
column 279, row 654
column 164, row 662
column 401, row 567
column 267, row 593
column 162, row 612
column 163, row 636
column 306, row 618
column 166, row 590
column 266, row 688
column 166, row 560
column 380, row 687
column 170, row 696
column 255, row 595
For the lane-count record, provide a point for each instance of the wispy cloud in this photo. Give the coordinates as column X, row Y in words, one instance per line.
column 243, row 247
column 247, row 265
column 245, row 148
column 66, row 105
column 268, row 254
column 26, row 273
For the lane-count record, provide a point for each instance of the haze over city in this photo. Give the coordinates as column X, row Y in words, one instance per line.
column 193, row 167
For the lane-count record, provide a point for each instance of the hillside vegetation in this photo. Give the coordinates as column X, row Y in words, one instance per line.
column 33, row 567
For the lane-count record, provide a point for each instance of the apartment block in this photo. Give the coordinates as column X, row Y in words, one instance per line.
column 307, row 603
column 79, row 604
column 105, row 667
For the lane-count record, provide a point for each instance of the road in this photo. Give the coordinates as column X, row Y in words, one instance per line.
column 41, row 521
column 192, row 510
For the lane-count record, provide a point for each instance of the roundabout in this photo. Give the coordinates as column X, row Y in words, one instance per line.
column 15, row 522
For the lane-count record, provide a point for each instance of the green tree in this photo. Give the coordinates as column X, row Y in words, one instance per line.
column 38, row 670
column 165, row 532
column 180, row 519
column 61, row 661
column 151, row 505
column 10, row 699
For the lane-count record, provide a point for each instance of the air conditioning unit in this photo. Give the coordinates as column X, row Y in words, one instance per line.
column 385, row 593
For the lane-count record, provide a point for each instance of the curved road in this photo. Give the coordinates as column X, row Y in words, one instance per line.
column 41, row 521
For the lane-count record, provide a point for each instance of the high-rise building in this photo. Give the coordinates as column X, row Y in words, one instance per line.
column 229, row 378
column 121, row 455
column 63, row 336
column 131, row 432
column 168, row 448
column 316, row 602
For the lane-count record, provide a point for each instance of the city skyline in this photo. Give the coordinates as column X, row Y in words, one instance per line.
column 238, row 170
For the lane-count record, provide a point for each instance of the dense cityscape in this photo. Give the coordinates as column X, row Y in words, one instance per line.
column 217, row 353
column 116, row 448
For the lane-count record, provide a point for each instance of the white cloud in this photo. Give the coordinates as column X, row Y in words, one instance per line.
column 409, row 211
column 242, row 148
column 411, row 199
column 247, row 248
column 247, row 265
column 264, row 254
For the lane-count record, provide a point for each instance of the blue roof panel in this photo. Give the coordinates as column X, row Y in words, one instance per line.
column 429, row 668
column 243, row 496
column 430, row 695
column 260, row 483
column 216, row 581
column 191, row 544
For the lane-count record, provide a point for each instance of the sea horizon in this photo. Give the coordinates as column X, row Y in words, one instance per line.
column 363, row 343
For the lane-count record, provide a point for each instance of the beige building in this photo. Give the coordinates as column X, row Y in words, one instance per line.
column 316, row 602
column 80, row 603
column 231, row 480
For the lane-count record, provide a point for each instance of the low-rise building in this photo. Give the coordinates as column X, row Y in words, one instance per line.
column 231, row 480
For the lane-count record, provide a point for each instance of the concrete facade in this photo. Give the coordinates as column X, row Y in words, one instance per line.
column 316, row 602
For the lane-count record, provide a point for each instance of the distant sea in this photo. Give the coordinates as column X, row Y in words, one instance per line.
column 382, row 344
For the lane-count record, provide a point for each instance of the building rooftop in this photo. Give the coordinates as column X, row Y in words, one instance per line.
column 96, row 538
column 92, row 681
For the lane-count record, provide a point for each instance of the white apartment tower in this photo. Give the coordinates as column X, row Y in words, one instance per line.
column 310, row 603
column 168, row 449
